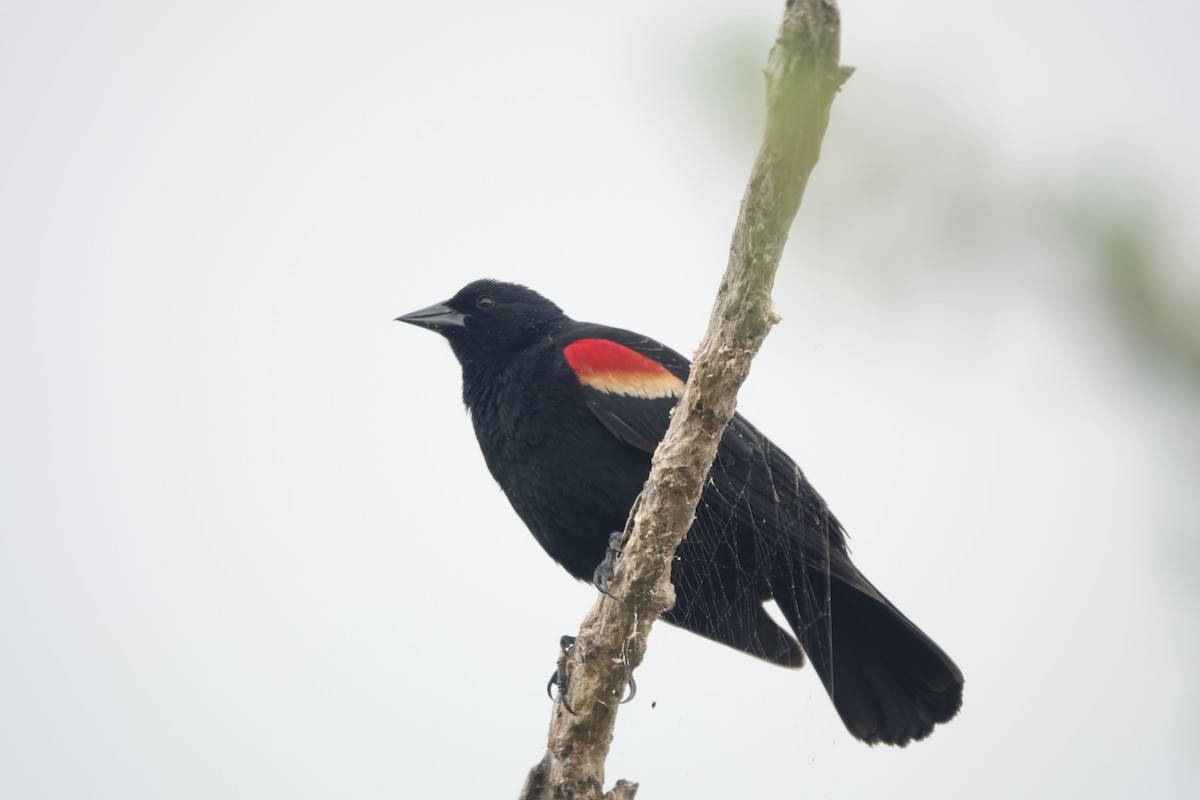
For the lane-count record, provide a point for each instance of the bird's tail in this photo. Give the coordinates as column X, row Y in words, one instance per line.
column 888, row 680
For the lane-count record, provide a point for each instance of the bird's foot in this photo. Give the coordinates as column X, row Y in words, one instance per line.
column 604, row 573
column 560, row 680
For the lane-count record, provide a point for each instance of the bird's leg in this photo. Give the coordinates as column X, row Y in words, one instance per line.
column 560, row 679
column 604, row 572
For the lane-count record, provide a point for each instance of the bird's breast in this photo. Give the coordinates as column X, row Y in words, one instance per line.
column 568, row 479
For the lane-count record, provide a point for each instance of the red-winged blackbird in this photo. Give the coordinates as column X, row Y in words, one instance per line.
column 568, row 414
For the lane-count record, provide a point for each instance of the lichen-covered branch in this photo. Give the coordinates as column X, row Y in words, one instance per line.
column 803, row 76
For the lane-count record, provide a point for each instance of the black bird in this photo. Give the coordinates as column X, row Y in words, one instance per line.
column 568, row 414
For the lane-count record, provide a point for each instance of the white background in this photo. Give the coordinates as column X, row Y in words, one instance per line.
column 248, row 548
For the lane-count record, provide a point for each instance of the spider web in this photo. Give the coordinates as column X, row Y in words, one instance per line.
column 762, row 535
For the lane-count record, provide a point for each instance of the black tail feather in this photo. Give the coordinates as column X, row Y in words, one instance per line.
column 890, row 682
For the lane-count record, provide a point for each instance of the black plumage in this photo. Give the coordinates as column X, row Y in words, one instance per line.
column 568, row 414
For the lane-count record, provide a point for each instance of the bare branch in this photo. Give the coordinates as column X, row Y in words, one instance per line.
column 803, row 76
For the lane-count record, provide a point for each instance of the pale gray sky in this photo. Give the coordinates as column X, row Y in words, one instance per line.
column 248, row 548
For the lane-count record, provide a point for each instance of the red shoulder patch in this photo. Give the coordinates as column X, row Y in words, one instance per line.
column 609, row 367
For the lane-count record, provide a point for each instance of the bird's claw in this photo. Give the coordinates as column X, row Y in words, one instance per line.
column 561, row 679
column 604, row 573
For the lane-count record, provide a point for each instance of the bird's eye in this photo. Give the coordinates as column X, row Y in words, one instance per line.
column 485, row 302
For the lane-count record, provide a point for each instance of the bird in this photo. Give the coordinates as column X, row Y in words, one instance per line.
column 568, row 415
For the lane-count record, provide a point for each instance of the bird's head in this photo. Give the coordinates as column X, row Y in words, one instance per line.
column 487, row 317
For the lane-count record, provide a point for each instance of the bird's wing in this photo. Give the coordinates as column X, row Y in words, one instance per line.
column 631, row 382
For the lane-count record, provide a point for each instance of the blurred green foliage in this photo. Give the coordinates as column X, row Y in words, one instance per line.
column 913, row 194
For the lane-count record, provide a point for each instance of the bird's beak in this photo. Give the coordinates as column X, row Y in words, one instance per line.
column 439, row 317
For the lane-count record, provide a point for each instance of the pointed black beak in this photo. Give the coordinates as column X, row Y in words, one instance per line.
column 439, row 317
